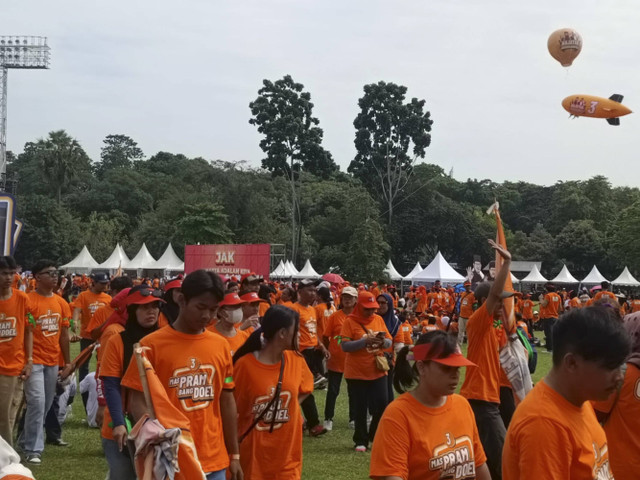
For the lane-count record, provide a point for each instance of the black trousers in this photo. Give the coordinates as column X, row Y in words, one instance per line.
column 547, row 324
column 390, row 395
column 309, row 408
column 507, row 405
column 492, row 432
column 313, row 358
column 333, row 390
column 367, row 395
column 83, row 371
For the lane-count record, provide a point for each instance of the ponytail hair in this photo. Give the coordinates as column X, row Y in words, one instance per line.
column 405, row 375
column 274, row 320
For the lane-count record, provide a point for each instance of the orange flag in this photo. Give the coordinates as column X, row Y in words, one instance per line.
column 171, row 417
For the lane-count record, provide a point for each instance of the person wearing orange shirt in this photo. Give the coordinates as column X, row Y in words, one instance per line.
column 272, row 378
column 185, row 355
column 550, row 308
column 467, row 300
column 365, row 337
column 335, row 364
column 605, row 292
column 100, row 317
column 229, row 314
column 288, row 297
column 482, row 383
column 264, row 292
column 250, row 312
column 169, row 309
column 50, row 340
column 429, row 432
column 16, row 347
column 422, row 299
column 324, row 309
column 374, row 289
column 554, row 432
column 142, row 319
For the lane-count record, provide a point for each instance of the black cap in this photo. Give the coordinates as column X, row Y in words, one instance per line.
column 100, row 277
column 308, row 282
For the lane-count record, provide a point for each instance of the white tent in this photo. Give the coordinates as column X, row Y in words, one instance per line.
column 168, row 261
column 514, row 279
column 564, row 276
column 307, row 272
column 392, row 272
column 83, row 263
column 534, row 276
column 279, row 271
column 626, row 279
column 290, row 269
column 594, row 277
column 438, row 269
column 142, row 261
column 117, row 259
column 416, row 270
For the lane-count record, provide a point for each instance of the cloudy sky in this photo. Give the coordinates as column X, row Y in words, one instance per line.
column 178, row 76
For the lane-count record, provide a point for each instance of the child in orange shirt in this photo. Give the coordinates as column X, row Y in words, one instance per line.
column 271, row 381
column 430, row 432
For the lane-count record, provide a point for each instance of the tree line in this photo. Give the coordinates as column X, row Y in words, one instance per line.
column 388, row 204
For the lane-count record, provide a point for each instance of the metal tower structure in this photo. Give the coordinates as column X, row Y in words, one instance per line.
column 23, row 52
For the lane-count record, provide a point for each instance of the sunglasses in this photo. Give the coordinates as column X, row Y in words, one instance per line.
column 147, row 292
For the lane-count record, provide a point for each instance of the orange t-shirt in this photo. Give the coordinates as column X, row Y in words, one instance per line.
column 333, row 330
column 194, row 369
column 15, row 313
column 89, row 302
column 553, row 306
column 527, row 309
column 308, row 326
column 422, row 302
column 623, row 426
column 575, row 303
column 111, row 366
column 436, row 300
column 17, row 281
column 277, row 454
column 322, row 315
column 234, row 342
column 605, row 293
column 361, row 364
column 635, row 306
column 51, row 315
column 262, row 308
column 482, row 382
column 575, row 445
column 406, row 332
column 416, row 442
column 466, row 304
column 107, row 333
column 98, row 318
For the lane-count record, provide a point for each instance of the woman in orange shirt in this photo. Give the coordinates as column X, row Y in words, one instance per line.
column 229, row 314
column 271, row 378
column 324, row 309
column 365, row 337
column 430, row 432
column 170, row 309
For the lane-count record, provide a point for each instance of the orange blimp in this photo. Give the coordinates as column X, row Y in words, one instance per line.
column 597, row 107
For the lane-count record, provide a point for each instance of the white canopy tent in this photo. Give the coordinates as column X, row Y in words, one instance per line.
column 307, row 272
column 117, row 259
column 279, row 271
column 83, row 263
column 438, row 269
column 416, row 270
column 168, row 261
column 626, row 279
column 565, row 276
column 514, row 279
column 594, row 277
column 291, row 269
column 392, row 272
column 534, row 276
column 142, row 261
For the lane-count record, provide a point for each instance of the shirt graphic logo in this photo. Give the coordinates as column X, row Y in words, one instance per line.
column 49, row 323
column 282, row 415
column 8, row 330
column 454, row 458
column 194, row 385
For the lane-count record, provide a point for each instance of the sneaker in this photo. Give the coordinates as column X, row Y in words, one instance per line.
column 34, row 459
column 328, row 425
column 352, row 425
column 317, row 431
column 361, row 448
column 58, row 442
column 320, row 382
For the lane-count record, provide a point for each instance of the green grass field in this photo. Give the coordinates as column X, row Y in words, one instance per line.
column 329, row 456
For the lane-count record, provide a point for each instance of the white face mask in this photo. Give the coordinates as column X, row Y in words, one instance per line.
column 235, row 316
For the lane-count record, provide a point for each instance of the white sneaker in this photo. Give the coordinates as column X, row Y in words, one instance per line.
column 328, row 425
column 352, row 425
column 361, row 448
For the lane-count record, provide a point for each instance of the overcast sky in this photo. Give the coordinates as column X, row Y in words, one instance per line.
column 178, row 76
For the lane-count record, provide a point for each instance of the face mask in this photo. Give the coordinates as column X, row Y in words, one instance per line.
column 235, row 316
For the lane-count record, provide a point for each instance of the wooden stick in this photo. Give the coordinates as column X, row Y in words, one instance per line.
column 137, row 351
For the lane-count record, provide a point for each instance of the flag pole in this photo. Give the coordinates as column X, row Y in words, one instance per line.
column 137, row 351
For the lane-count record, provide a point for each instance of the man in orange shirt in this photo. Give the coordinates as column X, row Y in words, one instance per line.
column 482, row 383
column 605, row 292
column 467, row 300
column 554, row 432
column 550, row 307
column 50, row 340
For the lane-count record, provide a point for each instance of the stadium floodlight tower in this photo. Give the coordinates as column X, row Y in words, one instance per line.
column 17, row 51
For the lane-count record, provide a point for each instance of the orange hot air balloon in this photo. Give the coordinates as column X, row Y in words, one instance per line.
column 597, row 107
column 565, row 45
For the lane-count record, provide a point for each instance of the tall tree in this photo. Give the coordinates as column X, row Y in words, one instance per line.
column 391, row 136
column 118, row 151
column 292, row 141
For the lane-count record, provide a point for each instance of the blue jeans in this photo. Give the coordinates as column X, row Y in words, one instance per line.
column 219, row 475
column 120, row 466
column 39, row 390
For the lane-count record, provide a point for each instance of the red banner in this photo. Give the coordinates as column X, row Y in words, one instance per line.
column 228, row 259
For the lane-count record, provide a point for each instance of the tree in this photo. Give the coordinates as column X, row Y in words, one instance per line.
column 118, row 151
column 203, row 223
column 581, row 245
column 292, row 141
column 390, row 136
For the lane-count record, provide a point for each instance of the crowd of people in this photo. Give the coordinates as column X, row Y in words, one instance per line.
column 241, row 358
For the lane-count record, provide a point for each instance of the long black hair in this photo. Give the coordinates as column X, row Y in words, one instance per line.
column 170, row 309
column 405, row 375
column 133, row 331
column 275, row 319
column 325, row 295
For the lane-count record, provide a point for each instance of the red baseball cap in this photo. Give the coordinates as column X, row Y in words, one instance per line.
column 142, row 294
column 367, row 300
column 425, row 351
column 231, row 299
column 175, row 283
column 251, row 297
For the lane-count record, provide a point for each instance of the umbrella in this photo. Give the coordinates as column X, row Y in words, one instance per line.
column 333, row 278
column 596, row 288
